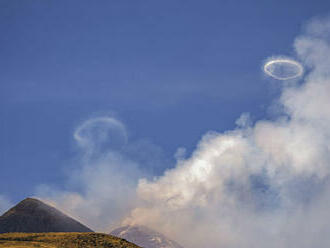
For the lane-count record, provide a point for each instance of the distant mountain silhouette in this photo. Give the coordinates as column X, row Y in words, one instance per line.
column 34, row 216
column 144, row 237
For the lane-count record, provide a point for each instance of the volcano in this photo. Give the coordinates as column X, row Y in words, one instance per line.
column 34, row 216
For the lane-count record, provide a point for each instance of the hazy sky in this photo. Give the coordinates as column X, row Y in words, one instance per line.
column 169, row 70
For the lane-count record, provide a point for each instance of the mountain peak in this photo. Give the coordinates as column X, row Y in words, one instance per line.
column 144, row 236
column 33, row 215
column 25, row 206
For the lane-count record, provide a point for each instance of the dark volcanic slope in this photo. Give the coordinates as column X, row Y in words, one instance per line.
column 34, row 216
column 144, row 237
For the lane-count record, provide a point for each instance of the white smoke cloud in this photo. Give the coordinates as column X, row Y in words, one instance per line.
column 101, row 186
column 105, row 178
column 265, row 185
column 259, row 185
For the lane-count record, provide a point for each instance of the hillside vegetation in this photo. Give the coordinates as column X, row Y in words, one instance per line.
column 62, row 240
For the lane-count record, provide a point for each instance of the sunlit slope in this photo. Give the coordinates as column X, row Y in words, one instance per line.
column 62, row 240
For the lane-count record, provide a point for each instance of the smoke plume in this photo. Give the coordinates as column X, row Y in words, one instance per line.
column 105, row 179
column 263, row 184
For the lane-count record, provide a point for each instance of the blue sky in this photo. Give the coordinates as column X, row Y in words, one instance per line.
column 169, row 70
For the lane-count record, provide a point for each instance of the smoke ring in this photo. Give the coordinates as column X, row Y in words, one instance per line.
column 97, row 132
column 299, row 70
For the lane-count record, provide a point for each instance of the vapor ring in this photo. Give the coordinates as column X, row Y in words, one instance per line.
column 297, row 72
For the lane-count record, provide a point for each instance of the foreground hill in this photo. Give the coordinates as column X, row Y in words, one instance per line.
column 144, row 237
column 62, row 240
column 34, row 216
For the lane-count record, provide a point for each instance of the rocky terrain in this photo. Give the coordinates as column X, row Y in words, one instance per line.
column 144, row 237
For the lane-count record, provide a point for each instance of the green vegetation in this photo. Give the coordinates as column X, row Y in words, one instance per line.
column 62, row 240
